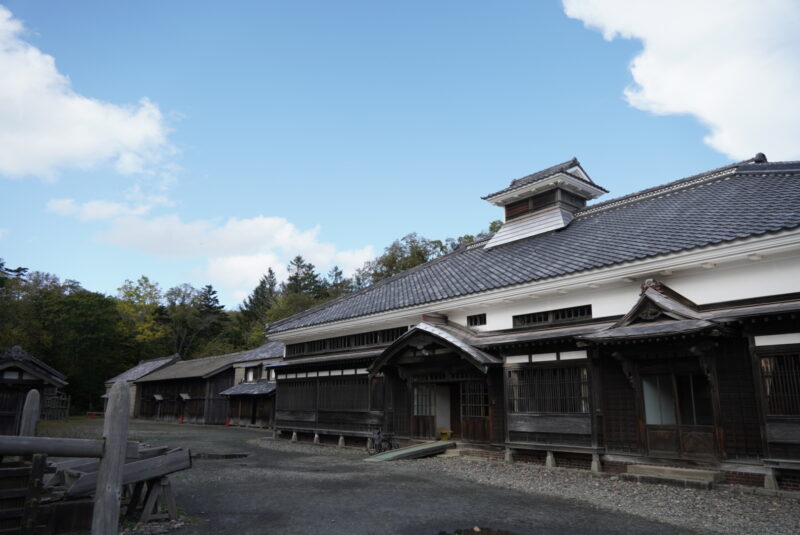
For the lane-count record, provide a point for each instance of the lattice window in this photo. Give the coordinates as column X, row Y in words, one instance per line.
column 474, row 400
column 477, row 319
column 559, row 390
column 298, row 395
column 781, row 376
column 344, row 393
column 424, row 400
column 339, row 343
column 561, row 315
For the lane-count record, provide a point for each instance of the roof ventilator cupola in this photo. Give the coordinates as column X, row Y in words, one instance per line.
column 544, row 201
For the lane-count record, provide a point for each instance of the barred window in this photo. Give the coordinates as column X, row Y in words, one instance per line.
column 561, row 315
column 560, row 390
column 474, row 400
column 423, row 400
column 339, row 343
column 781, row 376
column 477, row 319
column 344, row 393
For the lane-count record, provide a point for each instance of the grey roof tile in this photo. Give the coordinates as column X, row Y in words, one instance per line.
column 16, row 353
column 726, row 204
column 260, row 388
column 143, row 368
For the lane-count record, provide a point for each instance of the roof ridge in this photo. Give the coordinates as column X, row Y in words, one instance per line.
column 661, row 189
column 371, row 287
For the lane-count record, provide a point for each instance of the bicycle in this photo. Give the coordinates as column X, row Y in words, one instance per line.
column 379, row 443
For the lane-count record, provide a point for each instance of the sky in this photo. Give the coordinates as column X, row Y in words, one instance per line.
column 205, row 142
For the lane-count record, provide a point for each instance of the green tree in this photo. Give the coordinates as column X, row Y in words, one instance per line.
column 336, row 284
column 261, row 299
column 142, row 316
column 303, row 279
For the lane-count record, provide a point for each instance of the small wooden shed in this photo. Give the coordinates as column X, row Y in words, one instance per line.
column 21, row 372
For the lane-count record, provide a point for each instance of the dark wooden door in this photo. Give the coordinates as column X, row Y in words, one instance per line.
column 679, row 420
column 475, row 411
column 423, row 419
column 11, row 402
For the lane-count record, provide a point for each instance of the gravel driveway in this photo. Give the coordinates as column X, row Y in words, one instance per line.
column 288, row 488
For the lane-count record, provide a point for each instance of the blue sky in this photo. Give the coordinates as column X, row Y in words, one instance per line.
column 328, row 129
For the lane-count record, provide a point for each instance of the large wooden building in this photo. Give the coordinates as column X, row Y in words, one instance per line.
column 659, row 327
column 191, row 391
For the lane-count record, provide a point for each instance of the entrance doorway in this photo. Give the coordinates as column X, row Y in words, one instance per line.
column 679, row 416
column 460, row 407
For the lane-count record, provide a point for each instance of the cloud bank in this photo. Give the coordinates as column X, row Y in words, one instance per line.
column 46, row 127
column 237, row 251
column 735, row 66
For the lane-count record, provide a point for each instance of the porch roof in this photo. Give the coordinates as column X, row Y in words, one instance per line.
column 260, row 388
column 450, row 335
column 326, row 359
column 649, row 330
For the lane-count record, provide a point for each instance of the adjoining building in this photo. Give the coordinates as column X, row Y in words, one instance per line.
column 21, row 372
column 190, row 391
column 252, row 397
column 657, row 327
column 142, row 369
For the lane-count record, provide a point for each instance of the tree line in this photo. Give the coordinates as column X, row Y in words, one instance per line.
column 91, row 337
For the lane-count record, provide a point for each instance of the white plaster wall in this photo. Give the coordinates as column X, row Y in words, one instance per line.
column 727, row 280
column 742, row 280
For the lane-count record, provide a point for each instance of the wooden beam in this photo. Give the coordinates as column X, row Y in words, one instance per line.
column 59, row 447
column 142, row 470
column 105, row 516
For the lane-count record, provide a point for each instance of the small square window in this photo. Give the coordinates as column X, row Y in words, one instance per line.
column 477, row 319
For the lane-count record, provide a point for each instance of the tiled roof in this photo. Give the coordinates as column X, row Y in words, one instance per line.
column 208, row 366
column 143, row 368
column 260, row 388
column 724, row 205
column 270, row 350
column 17, row 354
column 543, row 174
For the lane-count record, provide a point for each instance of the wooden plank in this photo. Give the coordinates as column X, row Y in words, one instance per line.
column 59, row 447
column 536, row 423
column 296, row 416
column 414, row 452
column 142, row 470
column 784, row 432
column 30, row 414
column 105, row 516
column 33, row 495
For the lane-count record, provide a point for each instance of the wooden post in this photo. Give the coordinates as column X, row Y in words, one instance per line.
column 105, row 518
column 30, row 414
column 550, row 460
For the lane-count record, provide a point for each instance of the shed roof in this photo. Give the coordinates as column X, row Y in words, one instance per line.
column 35, row 366
column 208, row 366
column 270, row 350
column 260, row 388
column 143, row 368
column 732, row 203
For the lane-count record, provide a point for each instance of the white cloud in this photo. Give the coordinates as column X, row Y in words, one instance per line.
column 237, row 252
column 733, row 65
column 93, row 210
column 45, row 126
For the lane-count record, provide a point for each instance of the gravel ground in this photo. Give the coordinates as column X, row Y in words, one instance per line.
column 721, row 510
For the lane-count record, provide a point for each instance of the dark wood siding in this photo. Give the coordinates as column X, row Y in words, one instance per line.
column 619, row 410
column 326, row 404
column 738, row 404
